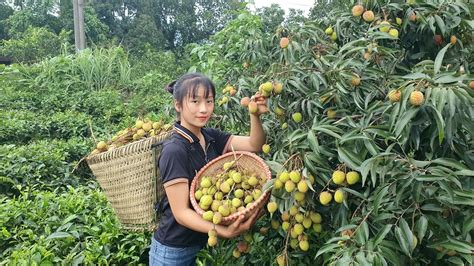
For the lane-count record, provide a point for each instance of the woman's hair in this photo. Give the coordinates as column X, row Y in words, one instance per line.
column 188, row 85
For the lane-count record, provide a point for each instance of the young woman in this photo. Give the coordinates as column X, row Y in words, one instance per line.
column 182, row 232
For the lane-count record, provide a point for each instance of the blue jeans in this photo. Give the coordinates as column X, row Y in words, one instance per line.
column 161, row 255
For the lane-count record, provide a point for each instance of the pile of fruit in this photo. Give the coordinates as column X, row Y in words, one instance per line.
column 142, row 129
column 232, row 189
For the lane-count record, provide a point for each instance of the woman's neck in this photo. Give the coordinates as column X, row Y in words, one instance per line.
column 195, row 130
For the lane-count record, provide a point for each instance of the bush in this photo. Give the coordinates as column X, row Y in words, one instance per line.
column 76, row 226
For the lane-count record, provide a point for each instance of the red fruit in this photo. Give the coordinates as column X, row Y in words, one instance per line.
column 284, row 42
column 245, row 101
column 438, row 39
column 471, row 84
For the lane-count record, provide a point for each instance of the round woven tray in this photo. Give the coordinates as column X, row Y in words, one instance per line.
column 248, row 161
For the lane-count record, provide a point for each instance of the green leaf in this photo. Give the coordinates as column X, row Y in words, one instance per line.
column 406, row 117
column 58, row 235
column 326, row 248
column 441, row 24
column 439, row 58
column 313, row 142
column 382, row 233
column 362, row 234
column 451, row 163
column 421, row 227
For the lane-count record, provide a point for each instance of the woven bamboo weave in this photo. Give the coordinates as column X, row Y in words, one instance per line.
column 246, row 160
column 129, row 178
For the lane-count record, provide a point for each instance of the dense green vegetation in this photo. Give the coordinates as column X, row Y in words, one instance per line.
column 415, row 160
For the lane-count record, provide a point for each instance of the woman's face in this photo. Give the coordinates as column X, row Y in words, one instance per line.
column 195, row 112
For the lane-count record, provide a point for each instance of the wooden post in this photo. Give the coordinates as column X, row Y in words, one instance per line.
column 79, row 33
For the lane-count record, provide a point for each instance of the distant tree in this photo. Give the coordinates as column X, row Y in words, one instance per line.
column 5, row 12
column 295, row 17
column 322, row 8
column 272, row 17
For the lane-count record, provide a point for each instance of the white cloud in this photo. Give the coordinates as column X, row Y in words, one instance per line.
column 304, row 5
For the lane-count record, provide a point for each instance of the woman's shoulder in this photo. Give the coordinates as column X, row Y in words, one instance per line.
column 174, row 145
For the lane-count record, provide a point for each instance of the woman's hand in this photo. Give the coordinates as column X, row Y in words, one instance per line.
column 261, row 103
column 241, row 225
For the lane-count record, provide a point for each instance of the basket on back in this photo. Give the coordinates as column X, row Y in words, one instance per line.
column 129, row 178
column 245, row 160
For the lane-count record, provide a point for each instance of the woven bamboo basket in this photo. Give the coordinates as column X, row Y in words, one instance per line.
column 129, row 177
column 248, row 161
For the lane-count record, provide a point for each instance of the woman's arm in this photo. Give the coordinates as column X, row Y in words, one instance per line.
column 256, row 139
column 178, row 197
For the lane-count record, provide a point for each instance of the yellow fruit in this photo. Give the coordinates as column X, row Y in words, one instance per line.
column 299, row 196
column 299, row 217
column 237, row 177
column 245, row 65
column 208, row 215
column 279, row 111
column 302, row 186
column 304, row 245
column 284, row 126
column 307, row 222
column 236, row 202
column 357, row 10
column 278, row 184
column 236, row 253
column 272, row 207
column 298, row 229
column 239, row 193
column 384, row 26
column 329, row 30
column 334, row 36
column 266, row 148
column 315, row 217
column 267, row 87
column 253, row 181
column 224, row 210
column 147, row 126
column 286, row 216
column 295, row 176
column 338, row 177
column 277, row 87
column 285, row 225
column 368, row 16
column 393, row 33
column 284, row 42
column 394, row 95
column 331, row 114
column 212, row 241
column 325, row 197
column 453, row 40
column 225, row 187
column 415, row 240
column 256, row 193
column 399, row 21
column 101, row 146
column 253, row 107
column 139, row 124
column 289, row 186
column 416, row 98
column 293, row 210
column 297, row 117
column 284, row 176
column 352, row 177
column 212, row 233
column 339, row 196
column 275, row 224
column 206, row 182
column 281, row 261
column 206, row 200
column 355, row 81
column 217, row 218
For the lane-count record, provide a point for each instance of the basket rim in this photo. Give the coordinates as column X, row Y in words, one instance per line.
column 265, row 195
column 99, row 157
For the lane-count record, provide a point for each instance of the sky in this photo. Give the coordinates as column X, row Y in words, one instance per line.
column 304, row 5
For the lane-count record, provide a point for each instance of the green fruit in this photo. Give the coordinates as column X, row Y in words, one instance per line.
column 338, row 177
column 352, row 177
column 253, row 181
column 299, row 217
column 239, row 193
column 384, row 26
column 329, row 30
column 206, row 200
column 198, row 195
column 225, row 187
column 224, row 210
column 393, row 33
column 298, row 229
column 236, row 202
column 299, row 196
column 248, row 199
column 293, row 211
column 206, row 182
column 399, row 21
column 334, row 36
column 297, row 117
column 307, row 222
column 208, row 215
column 278, row 184
column 237, row 177
column 339, row 196
column 317, row 228
column 325, row 197
column 267, row 87
column 266, row 148
column 256, row 194
column 285, row 226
